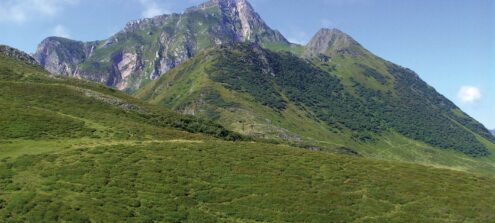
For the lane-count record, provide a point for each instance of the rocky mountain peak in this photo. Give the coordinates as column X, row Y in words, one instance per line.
column 330, row 42
column 236, row 11
column 146, row 48
column 17, row 54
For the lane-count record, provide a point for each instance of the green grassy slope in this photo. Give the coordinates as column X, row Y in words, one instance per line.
column 347, row 102
column 214, row 181
column 74, row 151
column 36, row 106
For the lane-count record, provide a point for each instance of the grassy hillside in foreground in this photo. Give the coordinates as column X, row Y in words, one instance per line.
column 325, row 104
column 215, row 181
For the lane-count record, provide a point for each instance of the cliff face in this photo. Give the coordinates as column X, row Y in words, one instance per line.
column 61, row 56
column 146, row 48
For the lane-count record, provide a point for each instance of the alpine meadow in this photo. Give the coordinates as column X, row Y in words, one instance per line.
column 210, row 115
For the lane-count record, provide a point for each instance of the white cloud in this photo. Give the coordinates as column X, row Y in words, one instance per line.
column 61, row 31
column 19, row 11
column 469, row 94
column 152, row 8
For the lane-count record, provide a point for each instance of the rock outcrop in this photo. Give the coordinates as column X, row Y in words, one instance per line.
column 17, row 54
column 61, row 56
column 146, row 48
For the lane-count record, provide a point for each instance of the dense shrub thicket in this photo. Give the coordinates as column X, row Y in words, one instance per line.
column 192, row 124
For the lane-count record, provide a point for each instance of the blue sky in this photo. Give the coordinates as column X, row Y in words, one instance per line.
column 449, row 43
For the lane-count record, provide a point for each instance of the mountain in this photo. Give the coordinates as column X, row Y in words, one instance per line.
column 76, row 151
column 146, row 48
column 331, row 94
column 493, row 132
column 340, row 96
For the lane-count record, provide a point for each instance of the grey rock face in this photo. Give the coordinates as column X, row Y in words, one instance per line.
column 145, row 49
column 60, row 56
column 240, row 17
column 17, row 54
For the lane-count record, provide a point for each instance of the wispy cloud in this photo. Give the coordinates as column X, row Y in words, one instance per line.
column 61, row 31
column 152, row 8
column 19, row 11
column 469, row 94
column 296, row 35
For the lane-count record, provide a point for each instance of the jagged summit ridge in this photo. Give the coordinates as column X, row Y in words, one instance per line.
column 146, row 48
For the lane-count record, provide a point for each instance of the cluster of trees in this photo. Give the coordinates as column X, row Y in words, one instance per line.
column 191, row 124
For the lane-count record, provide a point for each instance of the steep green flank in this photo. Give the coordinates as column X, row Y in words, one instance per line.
column 350, row 99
